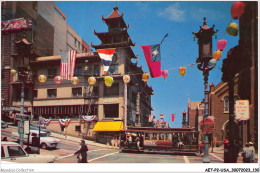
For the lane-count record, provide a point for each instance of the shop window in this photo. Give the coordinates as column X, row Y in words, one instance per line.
column 52, row 93
column 76, row 92
column 96, row 70
column 77, row 129
column 111, row 91
column 147, row 136
column 78, row 71
column 52, row 73
column 111, row 111
column 161, row 136
column 154, row 137
column 113, row 68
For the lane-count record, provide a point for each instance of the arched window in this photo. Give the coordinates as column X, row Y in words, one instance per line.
column 226, row 108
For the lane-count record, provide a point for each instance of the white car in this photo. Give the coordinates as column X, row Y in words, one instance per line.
column 45, row 141
column 13, row 152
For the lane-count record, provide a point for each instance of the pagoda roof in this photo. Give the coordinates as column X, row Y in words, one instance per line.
column 127, row 43
column 204, row 29
column 108, row 35
column 115, row 17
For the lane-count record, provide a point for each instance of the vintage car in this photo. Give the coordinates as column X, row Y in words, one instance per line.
column 13, row 152
column 45, row 141
column 37, row 128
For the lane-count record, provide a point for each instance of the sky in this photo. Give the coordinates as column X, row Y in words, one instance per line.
column 149, row 22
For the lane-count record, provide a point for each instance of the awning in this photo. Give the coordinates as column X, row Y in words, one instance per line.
column 108, row 126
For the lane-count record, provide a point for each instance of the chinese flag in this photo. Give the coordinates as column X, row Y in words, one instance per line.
column 173, row 117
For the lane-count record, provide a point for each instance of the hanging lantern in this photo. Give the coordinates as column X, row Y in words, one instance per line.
column 74, row 80
column 42, row 78
column 126, row 79
column 145, row 77
column 217, row 54
column 232, row 29
column 212, row 62
column 92, row 81
column 57, row 80
column 182, row 71
column 237, row 9
column 109, row 80
column 13, row 72
column 221, row 44
column 164, row 74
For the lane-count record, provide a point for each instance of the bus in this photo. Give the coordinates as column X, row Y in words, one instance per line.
column 159, row 139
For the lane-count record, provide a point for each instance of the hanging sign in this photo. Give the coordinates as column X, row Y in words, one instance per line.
column 89, row 118
column 63, row 121
column 242, row 110
column 16, row 25
column 207, row 125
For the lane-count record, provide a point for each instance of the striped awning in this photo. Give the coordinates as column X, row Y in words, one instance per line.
column 108, row 126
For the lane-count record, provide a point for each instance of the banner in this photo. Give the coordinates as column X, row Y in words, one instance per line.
column 46, row 121
column 89, row 118
column 173, row 117
column 62, row 121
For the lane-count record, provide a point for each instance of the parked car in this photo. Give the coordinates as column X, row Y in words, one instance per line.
column 4, row 125
column 44, row 130
column 46, row 142
column 13, row 152
column 37, row 125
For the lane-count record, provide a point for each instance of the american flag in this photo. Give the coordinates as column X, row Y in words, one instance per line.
column 67, row 66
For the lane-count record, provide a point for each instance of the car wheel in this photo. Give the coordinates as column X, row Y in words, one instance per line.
column 44, row 146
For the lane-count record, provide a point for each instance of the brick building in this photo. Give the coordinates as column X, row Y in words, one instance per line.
column 50, row 34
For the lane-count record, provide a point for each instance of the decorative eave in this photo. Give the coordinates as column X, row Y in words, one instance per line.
column 115, row 17
column 127, row 43
column 23, row 41
column 106, row 35
column 131, row 53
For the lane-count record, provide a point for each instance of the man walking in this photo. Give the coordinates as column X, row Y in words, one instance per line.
column 83, row 152
column 246, row 153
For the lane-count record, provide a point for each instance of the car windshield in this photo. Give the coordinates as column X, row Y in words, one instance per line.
column 43, row 135
column 15, row 151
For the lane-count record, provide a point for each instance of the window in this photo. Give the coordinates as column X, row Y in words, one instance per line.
column 96, row 70
column 77, row 92
column 18, row 93
column 2, row 152
column 226, row 104
column 161, row 136
column 77, row 129
column 35, row 94
column 134, row 98
column 168, row 137
column 52, row 93
column 87, row 70
column 111, row 111
column 113, row 68
column 75, row 41
column 78, row 71
column 111, row 91
column 147, row 136
column 154, row 137
column 52, row 73
column 15, row 151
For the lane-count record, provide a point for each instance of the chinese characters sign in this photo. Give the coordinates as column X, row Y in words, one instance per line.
column 242, row 109
column 16, row 25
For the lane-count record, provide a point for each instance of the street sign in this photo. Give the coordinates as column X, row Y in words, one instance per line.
column 242, row 110
column 22, row 117
column 207, row 125
column 26, row 127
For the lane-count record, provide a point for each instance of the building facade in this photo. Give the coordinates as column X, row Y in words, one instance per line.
column 50, row 33
column 107, row 104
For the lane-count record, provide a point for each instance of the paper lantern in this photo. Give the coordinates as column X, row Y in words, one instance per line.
column 217, row 54
column 57, row 80
column 126, row 79
column 232, row 29
column 145, row 77
column 221, row 44
column 164, row 74
column 109, row 81
column 212, row 62
column 42, row 78
column 74, row 80
column 13, row 72
column 237, row 9
column 182, row 71
column 92, row 81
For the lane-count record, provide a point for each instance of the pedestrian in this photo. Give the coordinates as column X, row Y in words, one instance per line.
column 246, row 153
column 235, row 151
column 116, row 142
column 113, row 142
column 252, row 150
column 83, row 152
column 226, row 151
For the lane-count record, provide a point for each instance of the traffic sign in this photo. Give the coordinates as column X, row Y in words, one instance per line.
column 207, row 125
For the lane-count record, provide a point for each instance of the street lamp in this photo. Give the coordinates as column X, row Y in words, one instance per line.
column 204, row 36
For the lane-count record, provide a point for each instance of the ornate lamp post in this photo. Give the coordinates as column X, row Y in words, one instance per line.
column 204, row 36
column 22, row 59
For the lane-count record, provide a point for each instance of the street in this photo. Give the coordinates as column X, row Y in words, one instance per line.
column 102, row 154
